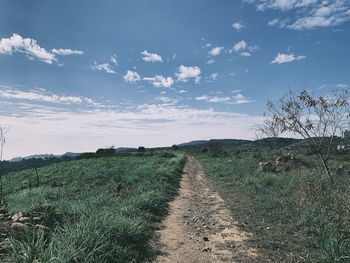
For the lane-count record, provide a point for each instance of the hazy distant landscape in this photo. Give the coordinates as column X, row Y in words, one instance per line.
column 201, row 131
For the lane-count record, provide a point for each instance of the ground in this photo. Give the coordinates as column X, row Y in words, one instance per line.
column 199, row 227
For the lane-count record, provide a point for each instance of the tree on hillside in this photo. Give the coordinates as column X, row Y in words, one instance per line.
column 174, row 147
column 3, row 131
column 141, row 149
column 317, row 119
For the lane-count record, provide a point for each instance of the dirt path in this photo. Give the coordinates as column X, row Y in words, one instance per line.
column 199, row 228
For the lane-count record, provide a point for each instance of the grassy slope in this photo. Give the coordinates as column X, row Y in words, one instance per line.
column 296, row 216
column 95, row 224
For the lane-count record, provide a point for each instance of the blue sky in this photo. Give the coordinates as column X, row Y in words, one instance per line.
column 78, row 75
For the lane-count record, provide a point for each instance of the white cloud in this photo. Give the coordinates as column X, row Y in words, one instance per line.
column 284, row 5
column 114, row 59
column 31, row 48
column 311, row 22
column 41, row 96
column 238, row 26
column 182, row 91
column 132, row 77
column 281, row 23
column 245, row 54
column 285, row 58
column 239, row 46
column 160, row 81
column 214, row 76
column 66, row 52
column 240, row 99
column 214, row 99
column 103, row 67
column 215, row 51
column 166, row 100
column 151, row 57
column 235, row 99
column 243, row 49
column 309, row 14
column 210, row 61
column 56, row 131
column 185, row 73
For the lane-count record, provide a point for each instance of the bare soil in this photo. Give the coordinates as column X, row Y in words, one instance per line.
column 199, row 227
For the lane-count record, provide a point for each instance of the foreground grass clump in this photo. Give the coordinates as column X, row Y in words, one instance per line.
column 106, row 209
column 295, row 216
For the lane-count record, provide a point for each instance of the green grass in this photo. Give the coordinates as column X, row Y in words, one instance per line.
column 91, row 221
column 295, row 216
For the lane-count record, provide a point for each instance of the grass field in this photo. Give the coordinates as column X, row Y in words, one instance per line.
column 101, row 210
column 295, row 216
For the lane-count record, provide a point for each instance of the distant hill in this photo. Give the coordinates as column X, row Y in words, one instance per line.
column 187, row 145
column 272, row 142
column 193, row 143
column 204, row 143
column 45, row 156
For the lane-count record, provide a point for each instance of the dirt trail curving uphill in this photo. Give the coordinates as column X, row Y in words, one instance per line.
column 199, row 228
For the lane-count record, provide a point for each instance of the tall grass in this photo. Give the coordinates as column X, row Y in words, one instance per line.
column 94, row 221
column 296, row 216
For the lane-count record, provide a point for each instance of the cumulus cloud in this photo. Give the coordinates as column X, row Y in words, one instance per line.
column 186, row 73
column 160, row 81
column 66, row 52
column 239, row 46
column 131, row 77
column 243, row 49
column 31, row 48
column 286, row 58
column 103, row 67
column 309, row 14
column 151, row 57
column 215, row 51
column 238, row 26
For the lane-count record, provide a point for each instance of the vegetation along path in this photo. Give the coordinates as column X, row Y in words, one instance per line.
column 199, row 228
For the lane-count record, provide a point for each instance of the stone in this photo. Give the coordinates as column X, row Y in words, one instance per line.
column 42, row 227
column 17, row 216
column 24, row 219
column 266, row 166
column 4, row 245
column 18, row 225
column 205, row 239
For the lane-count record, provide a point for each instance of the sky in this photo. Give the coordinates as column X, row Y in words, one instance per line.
column 79, row 75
